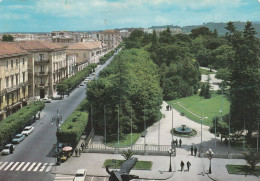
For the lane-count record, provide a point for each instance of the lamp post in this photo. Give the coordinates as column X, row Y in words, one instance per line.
column 170, row 151
column 210, row 155
column 57, row 119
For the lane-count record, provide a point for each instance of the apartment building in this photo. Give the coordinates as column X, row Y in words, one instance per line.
column 47, row 67
column 13, row 79
column 111, row 38
column 87, row 52
column 71, row 64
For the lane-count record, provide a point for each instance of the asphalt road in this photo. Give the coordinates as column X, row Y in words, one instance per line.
column 33, row 158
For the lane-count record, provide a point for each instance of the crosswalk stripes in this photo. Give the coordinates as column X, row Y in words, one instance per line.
column 26, row 166
column 63, row 177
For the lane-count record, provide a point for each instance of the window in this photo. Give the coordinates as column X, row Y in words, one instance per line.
column 42, row 68
column 17, row 80
column 23, row 61
column 12, row 64
column 42, row 81
column 41, row 56
column 23, row 77
column 7, row 82
column 12, row 81
column 92, row 54
column 85, row 55
column 17, row 63
column 6, row 64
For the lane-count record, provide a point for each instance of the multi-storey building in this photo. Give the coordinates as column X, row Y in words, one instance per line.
column 13, row 79
column 47, row 67
column 111, row 38
column 87, row 52
column 71, row 64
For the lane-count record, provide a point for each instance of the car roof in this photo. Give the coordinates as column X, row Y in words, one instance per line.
column 80, row 171
column 19, row 135
column 28, row 126
column 9, row 144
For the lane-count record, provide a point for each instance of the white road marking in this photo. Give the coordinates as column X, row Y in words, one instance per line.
column 3, row 165
column 18, row 168
column 36, row 168
column 32, row 165
column 6, row 168
column 43, row 166
column 48, row 169
column 15, row 165
column 92, row 178
column 27, row 164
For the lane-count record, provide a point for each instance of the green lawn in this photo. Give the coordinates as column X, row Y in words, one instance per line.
column 140, row 165
column 242, row 170
column 202, row 107
column 203, row 71
column 126, row 141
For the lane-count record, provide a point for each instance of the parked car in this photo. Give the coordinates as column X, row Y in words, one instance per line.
column 6, row 150
column 18, row 138
column 46, row 100
column 27, row 130
column 80, row 175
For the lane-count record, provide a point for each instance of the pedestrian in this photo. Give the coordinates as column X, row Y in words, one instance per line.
column 188, row 165
column 195, row 150
column 11, row 149
column 79, row 151
column 76, row 151
column 180, row 142
column 191, row 150
column 182, row 165
column 167, row 107
column 82, row 146
column 176, row 142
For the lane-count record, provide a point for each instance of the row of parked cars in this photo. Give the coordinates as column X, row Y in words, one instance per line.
column 9, row 148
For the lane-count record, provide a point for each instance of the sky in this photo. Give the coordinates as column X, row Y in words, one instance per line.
column 86, row 15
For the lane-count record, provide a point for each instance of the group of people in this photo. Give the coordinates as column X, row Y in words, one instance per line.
column 168, row 108
column 193, row 150
column 78, row 150
column 188, row 165
column 176, row 142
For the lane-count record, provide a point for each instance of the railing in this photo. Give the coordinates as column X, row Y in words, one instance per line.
column 41, row 61
column 42, row 73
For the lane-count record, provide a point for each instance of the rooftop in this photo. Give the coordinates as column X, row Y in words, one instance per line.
column 35, row 45
column 9, row 49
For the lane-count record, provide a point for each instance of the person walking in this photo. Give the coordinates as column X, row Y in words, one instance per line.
column 82, row 146
column 182, row 165
column 176, row 142
column 191, row 150
column 79, row 152
column 188, row 165
column 76, row 151
column 180, row 142
column 195, row 150
column 11, row 149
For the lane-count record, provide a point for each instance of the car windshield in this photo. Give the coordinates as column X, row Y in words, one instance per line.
column 7, row 147
column 17, row 136
column 26, row 129
column 79, row 175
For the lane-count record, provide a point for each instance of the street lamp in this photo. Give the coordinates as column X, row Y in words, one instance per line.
column 210, row 155
column 170, row 151
column 57, row 119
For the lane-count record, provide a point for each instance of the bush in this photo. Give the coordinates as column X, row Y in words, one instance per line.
column 72, row 129
column 18, row 120
column 106, row 57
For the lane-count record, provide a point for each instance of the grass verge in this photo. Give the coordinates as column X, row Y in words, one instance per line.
column 242, row 170
column 126, row 141
column 140, row 165
column 203, row 71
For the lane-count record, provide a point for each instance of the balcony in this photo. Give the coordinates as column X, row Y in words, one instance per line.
column 42, row 85
column 42, row 61
column 42, row 73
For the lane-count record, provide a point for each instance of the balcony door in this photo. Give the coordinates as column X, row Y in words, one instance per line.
column 42, row 93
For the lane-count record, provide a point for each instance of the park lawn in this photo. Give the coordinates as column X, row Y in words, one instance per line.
column 126, row 141
column 203, row 71
column 202, row 107
column 242, row 170
column 140, row 165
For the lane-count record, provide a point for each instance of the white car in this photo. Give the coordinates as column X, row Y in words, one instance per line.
column 80, row 175
column 46, row 100
column 27, row 130
column 6, row 150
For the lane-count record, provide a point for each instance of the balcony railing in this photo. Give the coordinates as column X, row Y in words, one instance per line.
column 42, row 61
column 42, row 73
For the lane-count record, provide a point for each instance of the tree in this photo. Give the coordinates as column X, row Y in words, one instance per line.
column 127, row 154
column 7, row 38
column 200, row 31
column 62, row 88
column 252, row 158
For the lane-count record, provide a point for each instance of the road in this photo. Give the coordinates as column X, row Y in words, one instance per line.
column 33, row 158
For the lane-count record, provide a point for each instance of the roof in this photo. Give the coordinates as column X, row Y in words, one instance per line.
column 38, row 45
column 109, row 32
column 9, row 49
column 85, row 45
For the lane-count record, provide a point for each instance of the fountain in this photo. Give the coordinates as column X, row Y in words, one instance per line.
column 183, row 129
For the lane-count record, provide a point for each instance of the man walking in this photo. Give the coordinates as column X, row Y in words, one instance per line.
column 182, row 165
column 188, row 165
column 180, row 142
column 76, row 151
column 195, row 150
column 176, row 141
column 191, row 150
column 82, row 146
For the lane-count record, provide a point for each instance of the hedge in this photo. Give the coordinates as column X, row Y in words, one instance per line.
column 74, row 80
column 72, row 129
column 106, row 56
column 18, row 120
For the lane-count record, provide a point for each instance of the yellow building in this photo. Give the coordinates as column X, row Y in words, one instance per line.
column 111, row 38
column 13, row 79
column 47, row 67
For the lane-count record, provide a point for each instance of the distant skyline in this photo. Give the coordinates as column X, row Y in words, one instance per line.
column 87, row 15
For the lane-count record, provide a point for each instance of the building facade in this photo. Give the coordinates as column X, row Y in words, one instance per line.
column 13, row 79
column 47, row 67
column 111, row 38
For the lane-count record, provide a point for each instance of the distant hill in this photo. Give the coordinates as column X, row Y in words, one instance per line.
column 220, row 27
column 165, row 26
